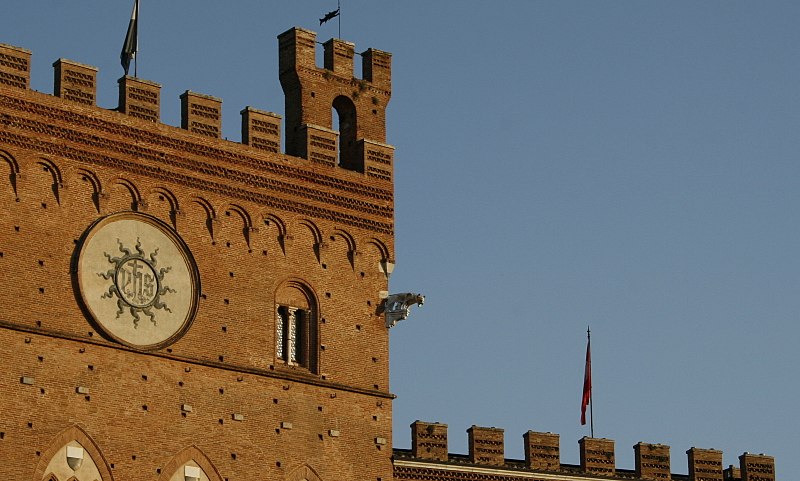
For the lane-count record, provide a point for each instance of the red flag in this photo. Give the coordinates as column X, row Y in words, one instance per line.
column 587, row 382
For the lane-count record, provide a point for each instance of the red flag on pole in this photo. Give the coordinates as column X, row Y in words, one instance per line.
column 587, row 382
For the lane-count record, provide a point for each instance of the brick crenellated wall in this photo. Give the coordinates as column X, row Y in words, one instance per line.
column 255, row 220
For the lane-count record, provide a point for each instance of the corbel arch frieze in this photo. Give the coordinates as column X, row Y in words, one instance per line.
column 13, row 171
column 318, row 243
column 50, row 167
column 122, row 184
column 385, row 262
column 162, row 194
column 93, row 180
column 235, row 210
column 350, row 241
column 210, row 215
column 273, row 221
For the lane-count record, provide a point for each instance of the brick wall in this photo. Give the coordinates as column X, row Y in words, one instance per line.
column 253, row 220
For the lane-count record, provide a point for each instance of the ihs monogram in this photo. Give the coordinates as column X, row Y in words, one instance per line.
column 136, row 283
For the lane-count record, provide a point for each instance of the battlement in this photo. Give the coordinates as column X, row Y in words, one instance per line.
column 312, row 94
column 360, row 104
column 597, row 456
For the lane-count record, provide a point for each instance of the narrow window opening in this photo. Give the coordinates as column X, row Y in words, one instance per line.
column 345, row 122
column 296, row 327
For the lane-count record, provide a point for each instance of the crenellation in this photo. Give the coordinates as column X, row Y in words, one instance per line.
column 652, row 461
column 542, row 451
column 201, row 114
column 310, row 95
column 429, row 440
column 377, row 68
column 597, row 455
column 75, row 81
column 378, row 159
column 757, row 467
column 321, row 144
column 311, row 92
column 486, row 446
column 140, row 98
column 338, row 57
column 732, row 473
column 15, row 66
column 261, row 130
column 704, row 464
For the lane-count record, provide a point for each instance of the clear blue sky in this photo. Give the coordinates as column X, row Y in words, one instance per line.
column 630, row 165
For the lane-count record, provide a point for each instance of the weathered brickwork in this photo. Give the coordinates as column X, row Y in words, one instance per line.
column 429, row 441
column 542, row 451
column 259, row 225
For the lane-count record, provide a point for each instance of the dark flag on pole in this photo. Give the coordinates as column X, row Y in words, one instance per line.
column 131, row 44
column 329, row 16
column 587, row 382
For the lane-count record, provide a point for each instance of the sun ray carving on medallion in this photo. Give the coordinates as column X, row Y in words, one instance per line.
column 136, row 282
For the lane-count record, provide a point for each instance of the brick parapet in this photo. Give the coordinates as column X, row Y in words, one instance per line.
column 15, row 66
column 429, row 440
column 486, row 445
column 261, row 129
column 310, row 92
column 140, row 98
column 757, row 467
column 542, row 461
column 652, row 461
column 542, row 451
column 75, row 81
column 201, row 114
column 95, row 136
column 704, row 464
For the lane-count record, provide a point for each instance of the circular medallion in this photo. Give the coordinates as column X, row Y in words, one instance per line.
column 138, row 280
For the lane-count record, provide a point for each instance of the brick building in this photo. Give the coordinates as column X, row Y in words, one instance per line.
column 177, row 306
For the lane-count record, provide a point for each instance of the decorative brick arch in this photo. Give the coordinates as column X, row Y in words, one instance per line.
column 137, row 203
column 381, row 247
column 191, row 453
column 303, row 473
column 163, row 194
column 72, row 433
column 273, row 220
column 351, row 245
column 211, row 214
column 316, row 236
column 13, row 170
column 91, row 178
column 245, row 217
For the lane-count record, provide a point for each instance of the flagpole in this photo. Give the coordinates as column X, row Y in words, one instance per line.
column 339, row 8
column 136, row 55
column 591, row 401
